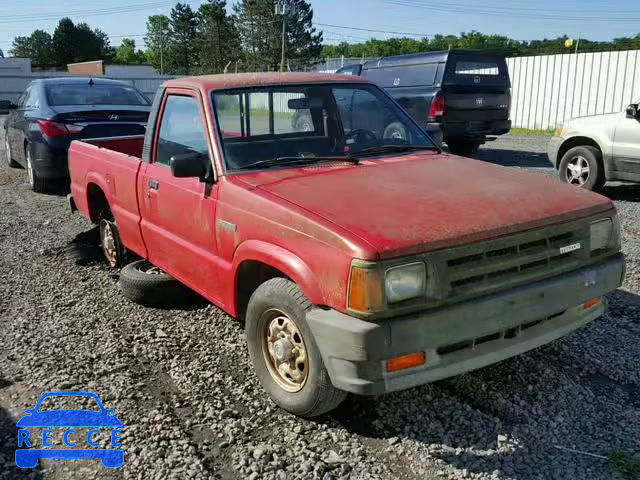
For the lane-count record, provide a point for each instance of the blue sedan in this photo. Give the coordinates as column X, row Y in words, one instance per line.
column 53, row 112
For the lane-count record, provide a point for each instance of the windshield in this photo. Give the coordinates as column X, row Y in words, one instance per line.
column 95, row 94
column 304, row 122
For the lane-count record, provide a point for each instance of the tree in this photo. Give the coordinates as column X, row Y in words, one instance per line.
column 64, row 42
column 218, row 39
column 37, row 46
column 260, row 32
column 183, row 31
column 78, row 43
column 156, row 40
column 126, row 53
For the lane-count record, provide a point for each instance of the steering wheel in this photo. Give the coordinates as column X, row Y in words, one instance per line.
column 360, row 135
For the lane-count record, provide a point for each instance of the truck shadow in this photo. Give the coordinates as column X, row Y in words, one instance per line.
column 507, row 420
column 514, row 158
column 8, row 443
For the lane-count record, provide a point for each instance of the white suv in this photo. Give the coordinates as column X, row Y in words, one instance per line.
column 588, row 151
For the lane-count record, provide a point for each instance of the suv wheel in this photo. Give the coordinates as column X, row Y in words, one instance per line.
column 582, row 166
column 7, row 154
column 285, row 356
column 464, row 148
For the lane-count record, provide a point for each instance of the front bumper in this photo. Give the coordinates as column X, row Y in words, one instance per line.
column 462, row 337
column 553, row 147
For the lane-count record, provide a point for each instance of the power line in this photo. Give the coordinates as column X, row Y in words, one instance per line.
column 409, row 34
column 503, row 11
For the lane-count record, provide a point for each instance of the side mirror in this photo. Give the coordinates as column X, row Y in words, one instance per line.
column 632, row 111
column 187, row 165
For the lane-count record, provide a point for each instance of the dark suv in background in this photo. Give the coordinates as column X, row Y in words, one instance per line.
column 459, row 96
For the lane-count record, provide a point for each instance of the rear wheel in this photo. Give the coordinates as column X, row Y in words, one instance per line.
column 36, row 182
column 464, row 148
column 285, row 356
column 582, row 167
column 110, row 243
column 7, row 154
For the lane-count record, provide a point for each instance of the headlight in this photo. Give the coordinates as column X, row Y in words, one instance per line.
column 605, row 233
column 372, row 287
column 405, row 282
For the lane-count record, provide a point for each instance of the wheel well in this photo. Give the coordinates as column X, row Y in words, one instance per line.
column 250, row 275
column 577, row 142
column 98, row 204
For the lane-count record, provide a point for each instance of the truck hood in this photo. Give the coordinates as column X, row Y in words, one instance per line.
column 427, row 201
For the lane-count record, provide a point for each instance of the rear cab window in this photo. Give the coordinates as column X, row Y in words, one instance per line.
column 470, row 69
column 412, row 75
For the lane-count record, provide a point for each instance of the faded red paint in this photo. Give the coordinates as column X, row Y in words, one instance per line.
column 309, row 222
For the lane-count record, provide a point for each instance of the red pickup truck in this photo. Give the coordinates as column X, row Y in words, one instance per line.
column 360, row 257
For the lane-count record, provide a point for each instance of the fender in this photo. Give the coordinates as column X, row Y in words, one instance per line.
column 93, row 177
column 282, row 259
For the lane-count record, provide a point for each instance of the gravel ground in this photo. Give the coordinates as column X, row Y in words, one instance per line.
column 180, row 379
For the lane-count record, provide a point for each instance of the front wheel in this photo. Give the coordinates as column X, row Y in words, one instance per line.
column 285, row 356
column 464, row 148
column 582, row 166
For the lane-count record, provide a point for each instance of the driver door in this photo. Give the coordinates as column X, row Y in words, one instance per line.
column 626, row 145
column 178, row 214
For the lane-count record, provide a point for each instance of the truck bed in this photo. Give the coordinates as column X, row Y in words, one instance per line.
column 109, row 167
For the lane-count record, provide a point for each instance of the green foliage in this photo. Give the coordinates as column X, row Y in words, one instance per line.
column 183, row 29
column 156, row 40
column 126, row 53
column 38, row 46
column 260, row 32
column 218, row 41
column 473, row 40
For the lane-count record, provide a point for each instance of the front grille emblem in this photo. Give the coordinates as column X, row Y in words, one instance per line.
column 113, row 116
column 570, row 248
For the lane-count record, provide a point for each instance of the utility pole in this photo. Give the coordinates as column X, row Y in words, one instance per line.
column 284, row 8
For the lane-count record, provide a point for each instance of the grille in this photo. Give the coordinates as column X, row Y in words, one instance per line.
column 511, row 260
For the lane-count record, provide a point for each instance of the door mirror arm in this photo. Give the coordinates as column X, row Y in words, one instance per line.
column 632, row 111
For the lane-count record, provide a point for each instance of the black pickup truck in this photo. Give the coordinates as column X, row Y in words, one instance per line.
column 459, row 96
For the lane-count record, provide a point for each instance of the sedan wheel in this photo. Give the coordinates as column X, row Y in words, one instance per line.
column 7, row 154
column 36, row 183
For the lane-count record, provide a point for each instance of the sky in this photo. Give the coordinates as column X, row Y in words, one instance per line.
column 351, row 20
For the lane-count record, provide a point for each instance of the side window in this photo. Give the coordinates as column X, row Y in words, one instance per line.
column 22, row 99
column 32, row 99
column 181, row 129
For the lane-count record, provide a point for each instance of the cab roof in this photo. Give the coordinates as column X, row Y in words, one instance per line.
column 240, row 80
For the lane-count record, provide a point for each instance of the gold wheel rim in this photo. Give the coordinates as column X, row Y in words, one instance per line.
column 285, row 352
column 108, row 241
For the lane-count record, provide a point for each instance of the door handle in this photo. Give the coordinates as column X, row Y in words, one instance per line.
column 153, row 184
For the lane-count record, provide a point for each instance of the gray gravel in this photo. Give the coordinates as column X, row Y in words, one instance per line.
column 181, row 382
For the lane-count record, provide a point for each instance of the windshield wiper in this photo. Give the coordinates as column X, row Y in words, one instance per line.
column 282, row 161
column 395, row 148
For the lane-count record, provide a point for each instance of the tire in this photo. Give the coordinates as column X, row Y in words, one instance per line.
column 36, row 182
column 110, row 243
column 312, row 395
column 7, row 153
column 579, row 158
column 143, row 283
column 464, row 148
column 396, row 131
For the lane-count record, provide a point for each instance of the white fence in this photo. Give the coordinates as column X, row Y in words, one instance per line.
column 552, row 88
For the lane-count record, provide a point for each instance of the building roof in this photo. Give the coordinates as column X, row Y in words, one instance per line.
column 238, row 80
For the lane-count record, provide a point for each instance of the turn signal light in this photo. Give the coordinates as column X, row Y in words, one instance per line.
column 405, row 361
column 592, row 302
column 365, row 290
